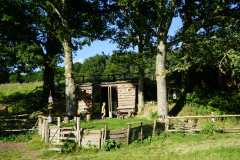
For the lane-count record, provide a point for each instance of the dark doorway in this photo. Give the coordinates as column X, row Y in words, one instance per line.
column 97, row 102
column 104, row 97
column 114, row 101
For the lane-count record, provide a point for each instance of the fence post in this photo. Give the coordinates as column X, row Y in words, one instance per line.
column 37, row 93
column 46, row 132
column 40, row 125
column 212, row 113
column 154, row 127
column 105, row 135
column 102, row 137
column 128, row 133
column 78, row 129
column 59, row 125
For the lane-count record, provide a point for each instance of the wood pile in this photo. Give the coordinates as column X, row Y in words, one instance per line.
column 85, row 99
column 126, row 98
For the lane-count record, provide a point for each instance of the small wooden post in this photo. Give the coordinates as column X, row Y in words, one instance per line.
column 154, row 127
column 212, row 113
column 40, row 126
column 79, row 140
column 141, row 131
column 83, row 79
column 46, row 132
column 78, row 128
column 37, row 93
column 99, row 143
column 59, row 125
column 43, row 129
column 128, row 133
column 105, row 134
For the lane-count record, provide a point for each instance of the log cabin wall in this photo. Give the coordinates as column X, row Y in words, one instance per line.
column 85, row 100
column 127, row 98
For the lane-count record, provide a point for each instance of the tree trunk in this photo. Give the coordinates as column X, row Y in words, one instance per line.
column 161, row 79
column 140, row 77
column 140, row 88
column 70, row 88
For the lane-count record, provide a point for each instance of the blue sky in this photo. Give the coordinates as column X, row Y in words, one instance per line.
column 97, row 47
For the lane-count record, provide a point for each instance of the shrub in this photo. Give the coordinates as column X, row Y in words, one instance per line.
column 111, row 145
column 209, row 128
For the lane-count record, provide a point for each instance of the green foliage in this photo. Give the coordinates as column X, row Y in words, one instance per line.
column 69, row 147
column 209, row 128
column 219, row 102
column 111, row 145
column 14, row 138
column 153, row 114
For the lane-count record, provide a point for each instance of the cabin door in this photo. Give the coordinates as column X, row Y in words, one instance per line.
column 110, row 101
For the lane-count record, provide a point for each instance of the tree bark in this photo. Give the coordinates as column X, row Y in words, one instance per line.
column 161, row 79
column 70, row 88
column 140, row 77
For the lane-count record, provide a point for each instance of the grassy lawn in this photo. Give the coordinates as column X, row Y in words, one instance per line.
column 166, row 146
column 10, row 91
column 112, row 123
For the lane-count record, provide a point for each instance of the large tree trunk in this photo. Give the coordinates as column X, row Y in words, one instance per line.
column 70, row 88
column 140, row 88
column 161, row 79
column 140, row 77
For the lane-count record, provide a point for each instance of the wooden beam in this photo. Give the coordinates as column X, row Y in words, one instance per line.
column 210, row 116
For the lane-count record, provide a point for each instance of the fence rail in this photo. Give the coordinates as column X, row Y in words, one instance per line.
column 212, row 116
column 112, row 77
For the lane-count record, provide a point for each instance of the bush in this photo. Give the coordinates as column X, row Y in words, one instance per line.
column 209, row 128
column 111, row 145
column 14, row 138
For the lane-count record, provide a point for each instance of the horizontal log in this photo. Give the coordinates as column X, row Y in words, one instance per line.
column 21, row 115
column 126, row 107
column 122, row 140
column 7, row 120
column 210, row 116
column 126, row 111
column 91, row 131
column 119, row 131
column 16, row 130
column 113, row 136
column 135, row 122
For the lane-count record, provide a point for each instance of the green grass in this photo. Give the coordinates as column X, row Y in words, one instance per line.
column 10, row 91
column 112, row 123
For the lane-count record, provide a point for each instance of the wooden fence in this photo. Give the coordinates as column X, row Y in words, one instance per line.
column 18, row 123
column 16, row 103
column 96, row 138
column 212, row 116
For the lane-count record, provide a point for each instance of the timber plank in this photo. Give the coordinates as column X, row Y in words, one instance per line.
column 119, row 131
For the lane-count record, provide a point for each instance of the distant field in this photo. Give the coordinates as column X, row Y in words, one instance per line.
column 9, row 91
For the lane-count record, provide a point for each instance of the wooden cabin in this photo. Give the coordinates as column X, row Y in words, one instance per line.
column 120, row 97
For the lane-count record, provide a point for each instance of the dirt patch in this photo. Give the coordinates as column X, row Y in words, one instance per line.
column 12, row 146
